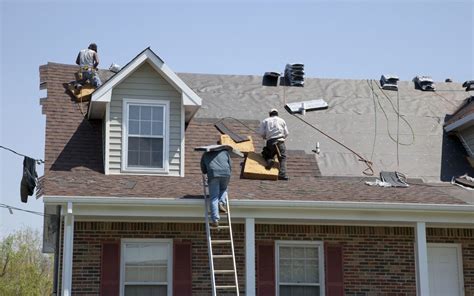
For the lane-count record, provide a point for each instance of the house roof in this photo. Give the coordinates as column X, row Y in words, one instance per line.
column 73, row 151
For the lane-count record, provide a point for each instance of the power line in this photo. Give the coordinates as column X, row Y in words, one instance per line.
column 38, row 161
column 11, row 208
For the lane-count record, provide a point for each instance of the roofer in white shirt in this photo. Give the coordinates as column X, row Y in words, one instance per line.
column 88, row 60
column 274, row 130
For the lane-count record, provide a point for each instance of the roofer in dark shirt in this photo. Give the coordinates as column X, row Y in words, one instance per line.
column 218, row 167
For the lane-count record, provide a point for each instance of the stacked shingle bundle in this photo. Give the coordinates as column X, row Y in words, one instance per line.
column 294, row 74
column 424, row 83
column 389, row 82
column 469, row 85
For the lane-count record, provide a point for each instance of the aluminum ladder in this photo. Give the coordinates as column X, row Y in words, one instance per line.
column 222, row 242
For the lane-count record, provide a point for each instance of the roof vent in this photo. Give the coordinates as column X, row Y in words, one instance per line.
column 294, row 74
column 389, row 82
column 469, row 85
column 424, row 83
column 270, row 78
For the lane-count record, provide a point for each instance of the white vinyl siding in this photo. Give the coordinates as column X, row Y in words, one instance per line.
column 299, row 268
column 145, row 84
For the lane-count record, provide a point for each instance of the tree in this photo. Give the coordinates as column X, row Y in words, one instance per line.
column 24, row 269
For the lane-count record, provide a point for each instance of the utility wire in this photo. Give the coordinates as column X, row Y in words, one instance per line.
column 396, row 112
column 10, row 208
column 38, row 161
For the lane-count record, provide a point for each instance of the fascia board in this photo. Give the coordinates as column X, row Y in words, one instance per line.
column 301, row 212
column 293, row 204
column 459, row 123
column 190, row 97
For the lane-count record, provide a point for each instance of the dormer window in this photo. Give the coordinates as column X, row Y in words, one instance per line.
column 145, row 135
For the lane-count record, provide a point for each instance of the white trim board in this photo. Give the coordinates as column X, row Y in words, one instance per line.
column 269, row 212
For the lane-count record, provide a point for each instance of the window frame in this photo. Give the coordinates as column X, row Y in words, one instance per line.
column 169, row 242
column 287, row 243
column 127, row 102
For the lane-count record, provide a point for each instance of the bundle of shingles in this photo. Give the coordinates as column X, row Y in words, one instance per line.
column 389, row 179
column 463, row 181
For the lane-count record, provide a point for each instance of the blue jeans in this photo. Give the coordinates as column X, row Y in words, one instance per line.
column 217, row 193
column 92, row 77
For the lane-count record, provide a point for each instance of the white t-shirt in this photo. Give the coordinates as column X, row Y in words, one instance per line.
column 273, row 127
column 86, row 57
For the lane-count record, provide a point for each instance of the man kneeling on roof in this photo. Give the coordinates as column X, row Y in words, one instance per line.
column 274, row 130
column 218, row 167
column 88, row 60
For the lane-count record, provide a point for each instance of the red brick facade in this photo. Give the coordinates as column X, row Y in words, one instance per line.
column 377, row 260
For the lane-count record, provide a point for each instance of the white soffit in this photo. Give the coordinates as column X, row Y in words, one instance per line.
column 104, row 93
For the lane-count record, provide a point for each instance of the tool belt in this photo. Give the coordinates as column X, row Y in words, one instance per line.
column 79, row 75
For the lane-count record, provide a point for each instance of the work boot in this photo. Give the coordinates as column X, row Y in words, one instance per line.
column 215, row 224
column 222, row 208
column 270, row 164
column 285, row 178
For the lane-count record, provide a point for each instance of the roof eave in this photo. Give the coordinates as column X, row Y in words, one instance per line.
column 458, row 124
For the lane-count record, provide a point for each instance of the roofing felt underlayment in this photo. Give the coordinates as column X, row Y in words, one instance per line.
column 74, row 164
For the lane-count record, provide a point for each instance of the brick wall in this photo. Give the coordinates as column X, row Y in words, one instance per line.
column 87, row 250
column 377, row 260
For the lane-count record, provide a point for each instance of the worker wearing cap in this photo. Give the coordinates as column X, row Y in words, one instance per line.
column 274, row 130
column 88, row 60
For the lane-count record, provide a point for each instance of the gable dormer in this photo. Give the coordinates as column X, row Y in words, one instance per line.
column 145, row 108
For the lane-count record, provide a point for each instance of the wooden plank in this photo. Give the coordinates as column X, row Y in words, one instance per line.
column 254, row 168
column 243, row 147
column 83, row 95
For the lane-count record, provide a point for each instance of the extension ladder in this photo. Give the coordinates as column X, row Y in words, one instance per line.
column 226, row 244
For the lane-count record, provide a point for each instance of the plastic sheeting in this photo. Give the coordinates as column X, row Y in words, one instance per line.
column 365, row 122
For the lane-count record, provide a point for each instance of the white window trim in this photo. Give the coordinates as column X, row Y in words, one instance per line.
column 460, row 262
column 319, row 244
column 139, row 240
column 166, row 121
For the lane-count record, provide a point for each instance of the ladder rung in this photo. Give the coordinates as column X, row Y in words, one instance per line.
column 222, row 256
column 223, row 271
column 221, row 241
column 220, row 227
column 225, row 287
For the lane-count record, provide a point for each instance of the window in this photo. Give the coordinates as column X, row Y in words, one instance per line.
column 145, row 135
column 300, row 268
column 146, row 267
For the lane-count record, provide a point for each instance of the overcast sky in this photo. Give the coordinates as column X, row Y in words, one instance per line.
column 334, row 39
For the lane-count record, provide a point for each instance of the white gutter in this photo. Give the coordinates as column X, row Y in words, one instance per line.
column 459, row 123
column 294, row 204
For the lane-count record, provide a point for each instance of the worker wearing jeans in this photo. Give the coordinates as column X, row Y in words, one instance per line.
column 218, row 167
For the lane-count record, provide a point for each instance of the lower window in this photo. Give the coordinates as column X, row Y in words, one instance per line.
column 146, row 267
column 299, row 268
